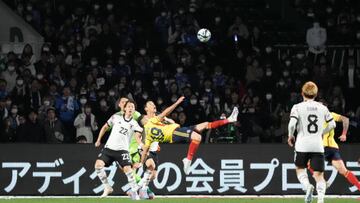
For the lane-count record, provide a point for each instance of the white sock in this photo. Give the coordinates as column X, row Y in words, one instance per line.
column 303, row 179
column 102, row 176
column 321, row 189
column 146, row 179
column 131, row 180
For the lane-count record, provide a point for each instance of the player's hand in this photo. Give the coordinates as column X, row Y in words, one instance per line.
column 181, row 99
column 342, row 138
column 291, row 141
column 137, row 165
column 97, row 144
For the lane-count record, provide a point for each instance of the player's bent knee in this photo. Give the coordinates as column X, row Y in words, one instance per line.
column 196, row 136
column 99, row 164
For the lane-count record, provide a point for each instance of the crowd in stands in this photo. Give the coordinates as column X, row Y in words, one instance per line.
column 96, row 52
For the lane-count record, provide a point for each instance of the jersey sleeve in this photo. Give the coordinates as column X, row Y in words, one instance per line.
column 137, row 127
column 328, row 116
column 337, row 117
column 110, row 122
column 294, row 113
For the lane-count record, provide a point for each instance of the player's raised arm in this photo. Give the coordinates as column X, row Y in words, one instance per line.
column 171, row 108
column 345, row 123
column 104, row 128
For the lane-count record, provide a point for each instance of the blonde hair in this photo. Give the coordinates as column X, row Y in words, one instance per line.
column 309, row 90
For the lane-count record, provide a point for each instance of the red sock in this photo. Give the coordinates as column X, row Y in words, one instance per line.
column 218, row 123
column 352, row 179
column 194, row 145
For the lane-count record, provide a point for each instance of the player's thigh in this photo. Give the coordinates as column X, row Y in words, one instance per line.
column 301, row 159
column 195, row 136
column 182, row 134
column 317, row 162
column 123, row 159
column 339, row 166
column 150, row 164
column 201, row 126
column 105, row 158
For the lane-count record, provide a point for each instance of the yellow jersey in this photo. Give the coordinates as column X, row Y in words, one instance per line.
column 328, row 139
column 157, row 131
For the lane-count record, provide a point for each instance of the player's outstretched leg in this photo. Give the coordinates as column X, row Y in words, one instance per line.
column 304, row 180
column 131, row 180
column 147, row 177
column 100, row 171
column 349, row 175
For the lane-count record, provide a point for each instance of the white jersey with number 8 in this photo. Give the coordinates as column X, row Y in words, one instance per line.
column 310, row 116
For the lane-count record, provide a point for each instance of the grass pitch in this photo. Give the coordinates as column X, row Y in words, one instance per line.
column 174, row 200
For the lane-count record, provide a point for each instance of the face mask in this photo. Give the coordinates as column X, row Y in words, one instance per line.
column 183, row 60
column 14, row 111
column 83, row 92
column 193, row 101
column 286, row 73
column 328, row 9
column 11, row 68
column 145, row 96
column 192, row 10
column 109, row 51
column 19, row 82
column 310, row 15
column 300, row 56
column 163, row 14
column 268, row 96
column 46, row 49
column 29, row 8
column 103, row 103
column 121, row 62
column 181, row 12
column 217, row 100
column 156, row 60
column 173, row 99
column 166, row 82
column 39, row 76
column 83, row 101
column 123, row 53
column 268, row 49
column 93, row 63
column 159, row 101
column 138, row 84
column 108, row 72
column 207, row 90
column 281, row 83
column 155, row 82
column 202, row 61
column 287, row 63
column 96, row 7
column 217, row 19
column 109, row 7
column 47, row 103
column 268, row 73
column 87, row 110
column 179, row 70
column 205, row 99
column 111, row 93
column 142, row 52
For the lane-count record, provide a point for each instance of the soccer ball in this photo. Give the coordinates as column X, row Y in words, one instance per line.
column 204, row 35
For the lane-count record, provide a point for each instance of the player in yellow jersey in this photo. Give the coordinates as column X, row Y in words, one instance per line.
column 156, row 130
column 332, row 154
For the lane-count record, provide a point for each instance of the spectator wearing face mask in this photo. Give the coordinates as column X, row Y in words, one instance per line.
column 42, row 111
column 86, row 124
column 7, row 134
column 14, row 117
column 10, row 75
column 34, row 96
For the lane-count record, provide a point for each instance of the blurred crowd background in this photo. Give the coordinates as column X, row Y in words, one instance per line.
column 259, row 55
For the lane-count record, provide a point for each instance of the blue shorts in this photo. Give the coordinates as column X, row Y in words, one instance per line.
column 332, row 154
column 182, row 134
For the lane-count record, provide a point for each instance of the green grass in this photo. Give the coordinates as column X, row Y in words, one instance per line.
column 175, row 200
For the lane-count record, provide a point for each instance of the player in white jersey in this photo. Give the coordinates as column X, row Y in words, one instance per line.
column 307, row 118
column 117, row 146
